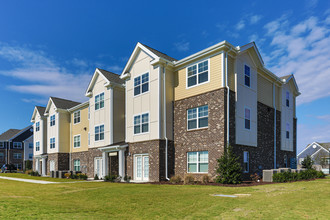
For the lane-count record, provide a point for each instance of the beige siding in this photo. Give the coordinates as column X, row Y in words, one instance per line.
column 265, row 91
column 40, row 136
column 231, row 73
column 118, row 115
column 81, row 129
column 215, row 82
column 64, row 133
column 169, row 103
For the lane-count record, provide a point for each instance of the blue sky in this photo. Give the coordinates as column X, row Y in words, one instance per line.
column 51, row 48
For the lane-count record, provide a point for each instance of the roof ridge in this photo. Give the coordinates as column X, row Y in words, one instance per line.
column 166, row 56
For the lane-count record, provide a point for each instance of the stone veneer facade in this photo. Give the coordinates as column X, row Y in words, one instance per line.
column 61, row 161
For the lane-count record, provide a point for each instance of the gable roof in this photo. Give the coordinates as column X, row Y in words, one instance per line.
column 5, row 136
column 21, row 131
column 39, row 109
column 160, row 54
column 60, row 103
column 109, row 77
column 286, row 77
column 310, row 150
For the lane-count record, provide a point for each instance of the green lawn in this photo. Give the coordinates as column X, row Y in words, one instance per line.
column 24, row 176
column 101, row 200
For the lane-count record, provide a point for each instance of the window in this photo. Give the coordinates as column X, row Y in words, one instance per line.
column 30, row 156
column 99, row 133
column 246, row 162
column 287, row 130
column 198, row 162
column 52, row 120
column 141, row 123
column 37, row 146
column 287, row 99
column 17, row 145
column 18, row 166
column 17, row 156
column 247, row 75
column 1, row 156
column 2, row 145
column 285, row 161
column 76, row 117
column 198, row 117
column 76, row 141
column 198, row 73
column 76, row 165
column 31, row 145
column 37, row 126
column 52, row 143
column 141, row 84
column 247, row 117
column 99, row 101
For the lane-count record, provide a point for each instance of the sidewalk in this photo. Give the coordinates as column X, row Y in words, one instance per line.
column 27, row 180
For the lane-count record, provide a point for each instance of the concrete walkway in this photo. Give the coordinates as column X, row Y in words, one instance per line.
column 27, row 180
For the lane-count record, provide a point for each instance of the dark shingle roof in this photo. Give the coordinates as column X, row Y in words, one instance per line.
column 63, row 103
column 160, row 54
column 41, row 110
column 112, row 77
column 325, row 145
column 9, row 134
column 286, row 77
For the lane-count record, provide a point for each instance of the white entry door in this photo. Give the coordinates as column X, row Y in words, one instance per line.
column 98, row 167
column 52, row 165
column 141, row 167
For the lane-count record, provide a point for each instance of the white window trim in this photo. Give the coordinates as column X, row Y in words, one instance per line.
column 16, row 154
column 38, row 146
column 286, row 130
column 75, row 166
column 287, row 92
column 141, row 123
column 248, row 161
column 193, row 129
column 245, row 107
column 54, row 143
column 250, row 87
column 50, row 120
column 79, row 140
column 79, row 117
column 103, row 132
column 197, row 163
column 140, row 75
column 208, row 77
column 99, row 101
column 37, row 123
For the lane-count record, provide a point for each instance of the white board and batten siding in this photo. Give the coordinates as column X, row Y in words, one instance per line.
column 287, row 115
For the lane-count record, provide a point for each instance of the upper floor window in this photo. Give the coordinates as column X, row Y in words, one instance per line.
column 17, row 145
column 76, row 117
column 198, row 162
column 198, row 117
column 287, row 100
column 52, row 143
column 99, row 132
column 30, row 145
column 52, row 120
column 247, row 76
column 38, row 126
column 17, row 155
column 76, row 141
column 141, row 123
column 37, row 146
column 99, row 101
column 287, row 130
column 198, row 73
column 246, row 161
column 141, row 84
column 247, row 117
column 2, row 145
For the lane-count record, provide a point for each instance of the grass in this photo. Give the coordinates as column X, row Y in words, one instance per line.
column 102, row 200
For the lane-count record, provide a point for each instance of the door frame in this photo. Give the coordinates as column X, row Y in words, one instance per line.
column 142, row 179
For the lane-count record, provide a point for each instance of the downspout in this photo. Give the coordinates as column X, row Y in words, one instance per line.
column 70, row 166
column 227, row 87
column 274, row 105
column 165, row 127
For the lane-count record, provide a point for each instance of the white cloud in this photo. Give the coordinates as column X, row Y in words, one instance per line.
column 240, row 25
column 255, row 19
column 182, row 46
column 37, row 74
column 115, row 68
column 309, row 133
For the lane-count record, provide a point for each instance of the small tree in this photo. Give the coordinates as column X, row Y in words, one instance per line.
column 229, row 169
column 307, row 163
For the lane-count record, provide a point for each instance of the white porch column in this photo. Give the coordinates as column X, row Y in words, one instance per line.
column 121, row 161
column 105, row 159
column 44, row 165
column 37, row 165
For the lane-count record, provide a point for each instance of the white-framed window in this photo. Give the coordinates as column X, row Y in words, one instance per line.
column 76, row 117
column 285, row 161
column 247, row 118
column 76, row 141
column 198, row 73
column 2, row 144
column 37, row 126
column 287, row 130
column 17, row 145
column 198, row 117
column 30, row 145
column 89, row 138
column 246, row 161
column 141, row 84
column 99, row 133
column 37, row 145
column 76, row 165
column 30, row 156
column 52, row 120
column 287, row 100
column 2, row 156
column 141, row 123
column 18, row 166
column 99, row 101
column 198, row 162
column 17, row 155
column 247, row 76
column 52, row 143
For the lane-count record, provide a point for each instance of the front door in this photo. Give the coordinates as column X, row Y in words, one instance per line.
column 98, row 167
column 51, row 165
column 141, row 167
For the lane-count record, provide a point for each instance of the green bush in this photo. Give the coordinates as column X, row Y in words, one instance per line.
column 96, row 177
column 175, row 179
column 127, row 178
column 34, row 173
column 307, row 163
column 229, row 170
column 112, row 178
column 81, row 176
column 188, row 179
column 303, row 175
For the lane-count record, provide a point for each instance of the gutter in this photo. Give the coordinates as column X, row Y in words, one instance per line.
column 274, row 105
column 165, row 122
column 227, row 87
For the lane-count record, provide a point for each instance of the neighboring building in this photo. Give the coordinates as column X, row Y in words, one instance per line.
column 319, row 153
column 12, row 146
column 28, row 153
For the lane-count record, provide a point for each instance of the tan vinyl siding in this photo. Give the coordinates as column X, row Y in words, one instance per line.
column 215, row 82
column 265, row 91
column 81, row 129
column 118, row 115
column 231, row 73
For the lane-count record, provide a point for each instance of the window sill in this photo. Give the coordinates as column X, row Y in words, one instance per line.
column 197, row 129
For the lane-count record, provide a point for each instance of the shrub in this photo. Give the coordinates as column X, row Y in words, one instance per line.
column 307, row 163
column 127, row 178
column 206, row 179
column 320, row 174
column 303, row 175
column 67, row 175
column 255, row 177
column 112, row 178
column 175, row 179
column 229, row 169
column 96, row 177
column 188, row 179
column 28, row 164
column 34, row 173
column 82, row 176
